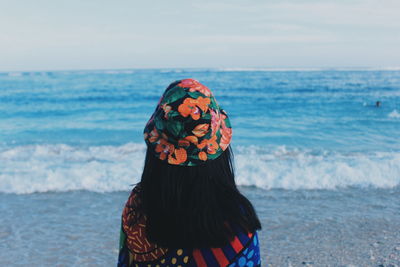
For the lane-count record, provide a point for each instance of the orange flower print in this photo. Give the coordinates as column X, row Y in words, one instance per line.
column 187, row 140
column 203, row 103
column 215, row 121
column 192, row 139
column 223, row 124
column 153, row 135
column 184, row 143
column 201, row 130
column 210, row 144
column 189, row 107
column 178, row 156
column 194, row 85
column 225, row 138
column 165, row 148
column 166, row 109
column 202, row 156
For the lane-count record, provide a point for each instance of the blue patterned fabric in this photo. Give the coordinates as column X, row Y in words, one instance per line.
column 250, row 256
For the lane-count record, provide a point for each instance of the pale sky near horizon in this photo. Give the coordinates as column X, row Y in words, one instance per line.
column 99, row 34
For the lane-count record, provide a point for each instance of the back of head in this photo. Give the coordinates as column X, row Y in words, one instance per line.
column 188, row 190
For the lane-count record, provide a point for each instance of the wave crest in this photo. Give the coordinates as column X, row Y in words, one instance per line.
column 394, row 114
column 43, row 168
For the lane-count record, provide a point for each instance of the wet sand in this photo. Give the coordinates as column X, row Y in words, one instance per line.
column 351, row 227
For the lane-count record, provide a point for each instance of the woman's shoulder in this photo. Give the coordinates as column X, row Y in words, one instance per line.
column 133, row 231
column 133, row 202
column 135, row 191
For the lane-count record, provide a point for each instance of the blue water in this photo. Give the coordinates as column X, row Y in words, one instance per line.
column 302, row 129
column 305, row 109
column 318, row 160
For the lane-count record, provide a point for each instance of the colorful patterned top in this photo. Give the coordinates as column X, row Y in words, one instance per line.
column 137, row 251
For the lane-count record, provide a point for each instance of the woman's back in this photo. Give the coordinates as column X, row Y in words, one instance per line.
column 187, row 210
column 137, row 250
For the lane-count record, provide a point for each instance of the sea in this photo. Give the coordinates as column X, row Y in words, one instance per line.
column 319, row 159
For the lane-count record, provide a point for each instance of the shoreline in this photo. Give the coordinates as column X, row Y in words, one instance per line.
column 350, row 227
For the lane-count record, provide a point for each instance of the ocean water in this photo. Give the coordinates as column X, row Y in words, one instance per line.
column 311, row 148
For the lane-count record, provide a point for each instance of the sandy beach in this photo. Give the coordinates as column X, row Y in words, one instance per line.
column 303, row 228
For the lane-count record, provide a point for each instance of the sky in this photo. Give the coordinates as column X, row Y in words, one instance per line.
column 119, row 34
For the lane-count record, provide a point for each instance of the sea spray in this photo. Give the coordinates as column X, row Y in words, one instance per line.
column 44, row 168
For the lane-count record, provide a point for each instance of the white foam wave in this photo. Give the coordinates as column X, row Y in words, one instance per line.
column 15, row 74
column 307, row 170
column 394, row 114
column 42, row 168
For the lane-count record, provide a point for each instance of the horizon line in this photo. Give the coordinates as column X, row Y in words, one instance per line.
column 222, row 69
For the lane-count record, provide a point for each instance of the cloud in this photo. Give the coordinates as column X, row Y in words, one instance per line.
column 353, row 12
column 218, row 33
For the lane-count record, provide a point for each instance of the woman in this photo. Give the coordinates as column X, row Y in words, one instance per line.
column 187, row 210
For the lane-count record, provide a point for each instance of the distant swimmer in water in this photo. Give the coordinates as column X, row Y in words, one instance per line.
column 378, row 104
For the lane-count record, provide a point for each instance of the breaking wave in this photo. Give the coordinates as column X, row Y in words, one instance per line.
column 43, row 168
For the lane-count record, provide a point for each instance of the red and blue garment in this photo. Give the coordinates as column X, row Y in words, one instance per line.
column 137, row 251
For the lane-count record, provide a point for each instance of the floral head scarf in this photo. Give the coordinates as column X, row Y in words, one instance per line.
column 188, row 126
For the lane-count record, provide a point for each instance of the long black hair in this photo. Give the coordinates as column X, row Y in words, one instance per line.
column 196, row 206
